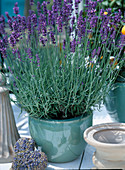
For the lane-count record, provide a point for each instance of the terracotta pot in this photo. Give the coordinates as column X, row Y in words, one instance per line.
column 109, row 141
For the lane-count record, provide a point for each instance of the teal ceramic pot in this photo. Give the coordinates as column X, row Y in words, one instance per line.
column 61, row 140
column 115, row 102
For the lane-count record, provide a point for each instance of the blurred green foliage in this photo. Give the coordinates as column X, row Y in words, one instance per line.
column 114, row 4
column 49, row 6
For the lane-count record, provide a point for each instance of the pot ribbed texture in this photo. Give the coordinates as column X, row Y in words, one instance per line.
column 8, row 130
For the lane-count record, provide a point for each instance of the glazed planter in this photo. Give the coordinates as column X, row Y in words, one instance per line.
column 109, row 141
column 115, row 102
column 61, row 140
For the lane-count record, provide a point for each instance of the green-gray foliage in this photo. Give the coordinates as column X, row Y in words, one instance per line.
column 67, row 84
column 62, row 87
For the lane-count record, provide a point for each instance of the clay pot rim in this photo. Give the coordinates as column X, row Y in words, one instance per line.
column 89, row 133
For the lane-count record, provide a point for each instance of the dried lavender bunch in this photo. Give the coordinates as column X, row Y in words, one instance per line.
column 24, row 144
column 34, row 160
column 26, row 157
column 60, row 60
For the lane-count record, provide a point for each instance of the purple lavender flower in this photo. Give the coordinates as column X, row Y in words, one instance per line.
column 2, row 30
column 55, row 9
column 76, row 5
column 113, row 35
column 29, row 26
column 14, row 51
column 81, row 25
column 38, row 60
column 118, row 16
column 122, row 41
column 12, row 40
column 73, row 20
column 31, row 12
column 10, row 24
column 38, row 8
column 7, row 15
column 43, row 41
column 52, row 37
column 93, row 21
column 98, row 51
column 23, row 23
column 1, row 44
column 3, row 51
column 19, row 18
column 19, row 55
column 29, row 52
column 5, row 41
column 2, row 20
column 44, row 30
column 73, row 45
column 34, row 20
column 15, row 26
column 93, row 53
column 66, row 12
column 59, row 22
column 16, row 8
column 59, row 5
column 44, row 8
column 31, row 2
column 50, row 18
column 42, row 25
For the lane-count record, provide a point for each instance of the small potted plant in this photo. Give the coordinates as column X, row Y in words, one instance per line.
column 114, row 101
column 60, row 62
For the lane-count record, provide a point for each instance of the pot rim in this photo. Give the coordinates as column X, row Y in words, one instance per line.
column 89, row 135
column 79, row 118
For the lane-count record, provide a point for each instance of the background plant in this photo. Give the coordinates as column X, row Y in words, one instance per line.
column 60, row 69
column 34, row 6
column 115, row 5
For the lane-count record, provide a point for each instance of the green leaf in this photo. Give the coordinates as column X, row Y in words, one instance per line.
column 118, row 3
column 105, row 3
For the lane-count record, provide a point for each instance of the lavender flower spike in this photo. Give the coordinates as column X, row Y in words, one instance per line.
column 16, row 8
column 31, row 2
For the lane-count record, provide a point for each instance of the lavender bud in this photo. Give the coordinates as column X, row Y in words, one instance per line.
column 16, row 8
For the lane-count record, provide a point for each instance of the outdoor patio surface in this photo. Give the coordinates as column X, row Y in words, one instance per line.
column 83, row 162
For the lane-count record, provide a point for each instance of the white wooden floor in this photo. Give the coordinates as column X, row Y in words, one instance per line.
column 83, row 162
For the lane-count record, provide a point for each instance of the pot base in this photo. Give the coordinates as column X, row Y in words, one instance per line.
column 101, row 163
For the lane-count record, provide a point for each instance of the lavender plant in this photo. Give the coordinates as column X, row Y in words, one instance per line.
column 60, row 60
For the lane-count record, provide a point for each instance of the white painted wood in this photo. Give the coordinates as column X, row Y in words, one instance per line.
column 87, row 160
column 6, row 166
